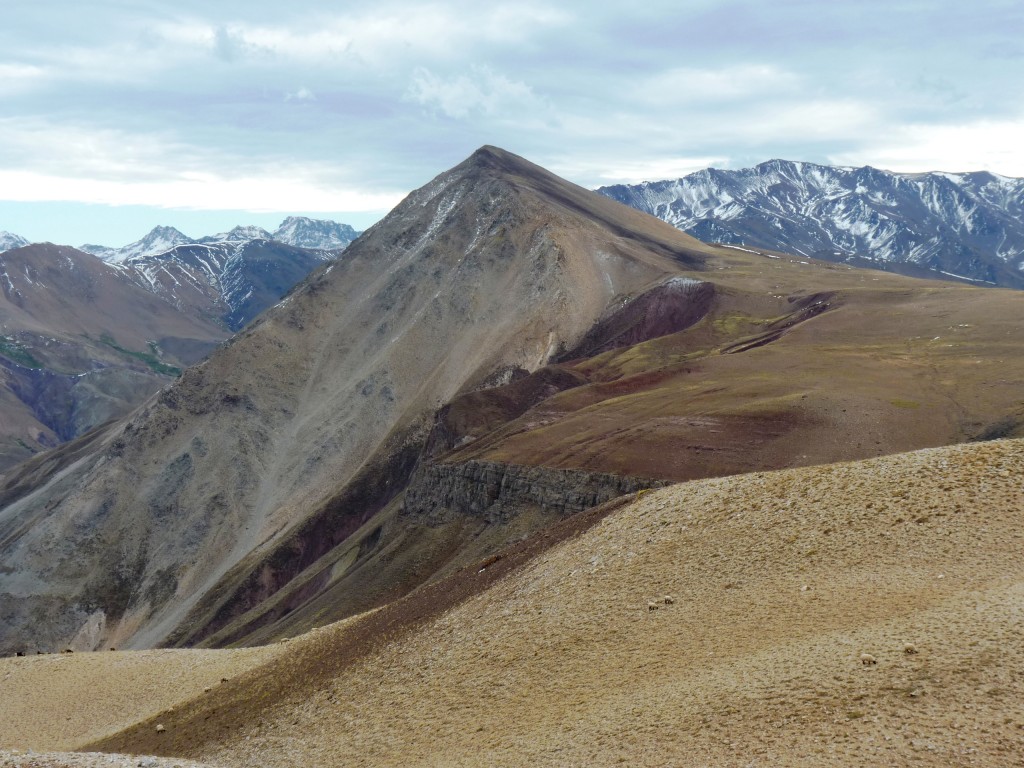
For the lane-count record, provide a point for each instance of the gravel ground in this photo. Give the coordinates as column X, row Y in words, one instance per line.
column 29, row 759
column 856, row 614
column 62, row 701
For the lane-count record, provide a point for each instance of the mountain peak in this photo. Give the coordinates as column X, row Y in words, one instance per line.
column 248, row 232
column 488, row 153
column 160, row 239
column 305, row 232
column 162, row 230
column 9, row 241
column 495, row 158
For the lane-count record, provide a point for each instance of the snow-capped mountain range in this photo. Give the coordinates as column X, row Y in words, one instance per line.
column 300, row 231
column 229, row 277
column 967, row 225
column 226, row 278
column 231, row 280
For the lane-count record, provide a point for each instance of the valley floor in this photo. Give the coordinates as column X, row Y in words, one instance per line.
column 778, row 584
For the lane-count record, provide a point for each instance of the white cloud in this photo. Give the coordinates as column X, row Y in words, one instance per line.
column 270, row 191
column 17, row 78
column 993, row 145
column 231, row 44
column 633, row 172
column 90, row 152
column 192, row 95
column 302, row 94
column 41, row 162
column 383, row 38
column 804, row 119
column 685, row 84
column 480, row 91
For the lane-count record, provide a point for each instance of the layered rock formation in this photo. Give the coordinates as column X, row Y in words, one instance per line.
column 496, row 492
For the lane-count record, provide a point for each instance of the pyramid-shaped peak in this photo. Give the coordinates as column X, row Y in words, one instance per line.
column 160, row 237
column 495, row 158
column 167, row 231
column 247, row 232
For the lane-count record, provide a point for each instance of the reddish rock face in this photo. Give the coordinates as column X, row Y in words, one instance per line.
column 669, row 307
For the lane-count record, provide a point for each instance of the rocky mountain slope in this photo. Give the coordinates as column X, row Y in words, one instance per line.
column 503, row 350
column 83, row 341
column 285, row 427
column 969, row 225
column 80, row 345
column 780, row 587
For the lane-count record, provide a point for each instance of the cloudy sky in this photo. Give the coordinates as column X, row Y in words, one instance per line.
column 116, row 116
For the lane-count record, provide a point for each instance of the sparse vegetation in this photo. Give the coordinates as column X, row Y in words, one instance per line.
column 17, row 353
column 151, row 358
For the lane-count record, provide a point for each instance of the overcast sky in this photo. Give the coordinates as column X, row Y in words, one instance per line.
column 116, row 116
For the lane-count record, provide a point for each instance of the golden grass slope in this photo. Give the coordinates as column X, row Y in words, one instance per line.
column 779, row 583
column 60, row 701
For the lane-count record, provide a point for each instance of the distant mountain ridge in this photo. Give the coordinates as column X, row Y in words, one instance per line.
column 967, row 225
column 85, row 337
column 229, row 281
column 300, row 231
column 81, row 343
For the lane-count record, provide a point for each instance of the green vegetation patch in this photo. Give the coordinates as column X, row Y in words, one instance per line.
column 735, row 323
column 17, row 353
column 150, row 358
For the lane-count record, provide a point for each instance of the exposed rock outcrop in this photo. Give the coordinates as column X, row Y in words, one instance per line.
column 496, row 492
column 669, row 307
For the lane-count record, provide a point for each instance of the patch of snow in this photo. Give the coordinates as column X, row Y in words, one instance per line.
column 964, row 277
column 682, row 282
